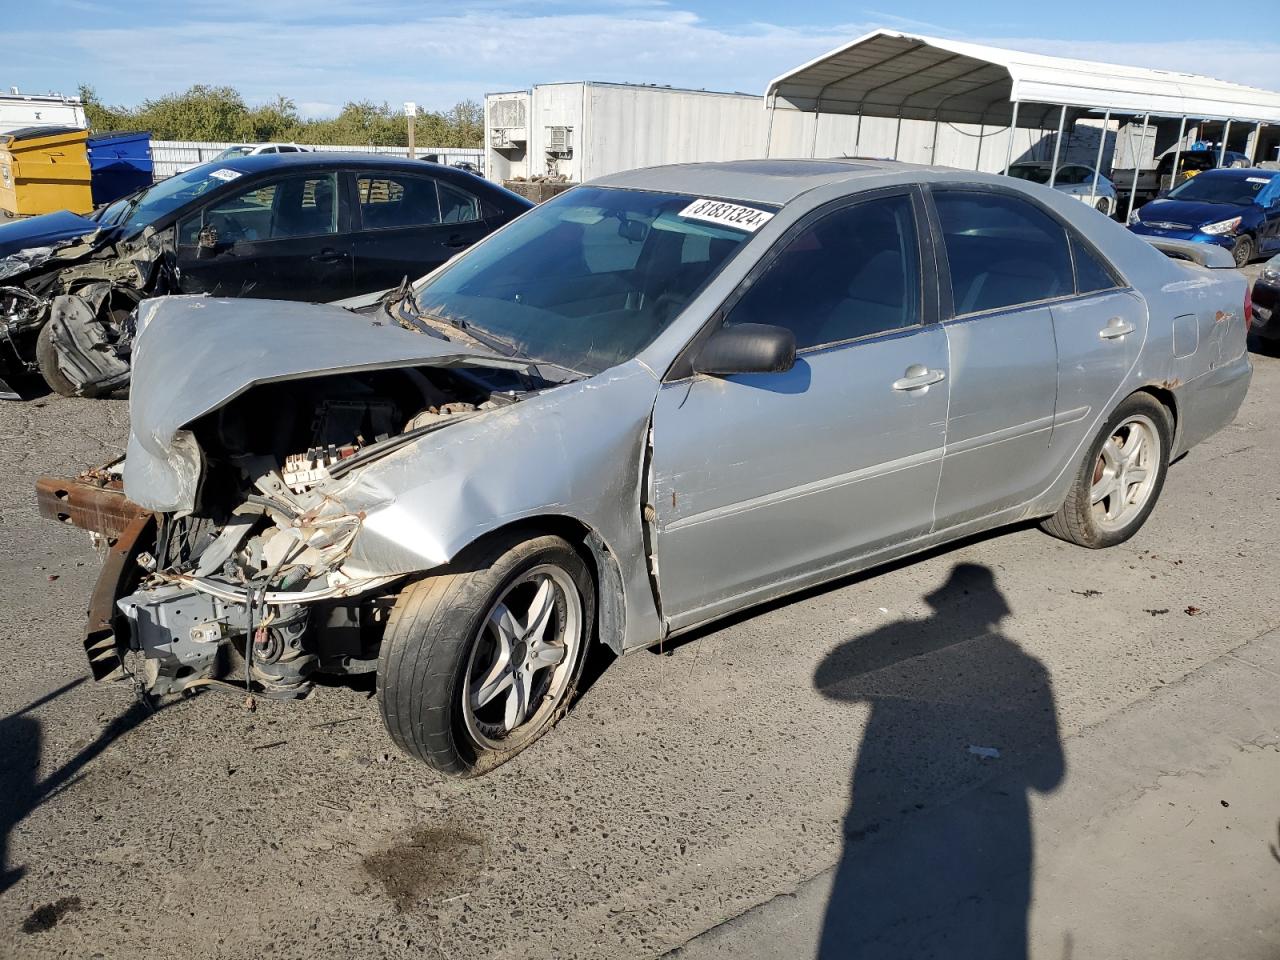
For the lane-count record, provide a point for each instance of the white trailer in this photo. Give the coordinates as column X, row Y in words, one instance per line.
column 18, row 110
column 584, row 130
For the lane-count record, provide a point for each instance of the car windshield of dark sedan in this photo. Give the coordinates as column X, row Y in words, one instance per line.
column 1221, row 188
column 589, row 279
column 168, row 195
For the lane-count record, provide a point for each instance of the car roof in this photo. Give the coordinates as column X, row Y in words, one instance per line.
column 771, row 181
column 260, row 162
column 1239, row 173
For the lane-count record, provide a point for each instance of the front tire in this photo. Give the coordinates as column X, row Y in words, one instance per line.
column 1242, row 250
column 481, row 660
column 1120, row 479
column 47, row 361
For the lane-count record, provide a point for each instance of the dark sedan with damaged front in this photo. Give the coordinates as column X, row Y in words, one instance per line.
column 300, row 226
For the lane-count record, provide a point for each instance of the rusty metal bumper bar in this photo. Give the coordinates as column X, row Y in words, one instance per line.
column 101, row 507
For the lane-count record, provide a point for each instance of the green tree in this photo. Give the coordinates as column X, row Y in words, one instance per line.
column 220, row 113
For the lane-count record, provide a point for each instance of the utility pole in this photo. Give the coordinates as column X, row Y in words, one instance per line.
column 411, row 112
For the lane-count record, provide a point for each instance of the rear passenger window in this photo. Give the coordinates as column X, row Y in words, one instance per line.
column 1091, row 273
column 850, row 274
column 1002, row 251
column 387, row 202
column 457, row 206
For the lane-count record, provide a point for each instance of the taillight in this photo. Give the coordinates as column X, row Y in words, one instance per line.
column 1248, row 307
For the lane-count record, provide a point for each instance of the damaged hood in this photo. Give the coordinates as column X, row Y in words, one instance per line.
column 43, row 231
column 194, row 354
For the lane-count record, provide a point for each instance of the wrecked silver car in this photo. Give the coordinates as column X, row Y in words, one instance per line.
column 653, row 401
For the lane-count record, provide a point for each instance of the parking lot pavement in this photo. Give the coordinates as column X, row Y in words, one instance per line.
column 683, row 790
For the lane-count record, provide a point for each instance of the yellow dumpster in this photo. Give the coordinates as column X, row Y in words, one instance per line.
column 43, row 170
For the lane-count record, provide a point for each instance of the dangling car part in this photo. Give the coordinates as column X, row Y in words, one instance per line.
column 649, row 403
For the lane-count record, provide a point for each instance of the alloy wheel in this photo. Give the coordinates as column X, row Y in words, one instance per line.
column 522, row 661
column 1125, row 473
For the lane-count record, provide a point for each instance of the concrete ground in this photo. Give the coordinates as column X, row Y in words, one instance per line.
column 1014, row 717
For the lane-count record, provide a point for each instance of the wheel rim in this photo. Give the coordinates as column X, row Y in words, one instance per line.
column 1243, row 252
column 523, row 658
column 1125, row 473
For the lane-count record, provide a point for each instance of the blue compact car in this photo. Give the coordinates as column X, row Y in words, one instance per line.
column 1236, row 209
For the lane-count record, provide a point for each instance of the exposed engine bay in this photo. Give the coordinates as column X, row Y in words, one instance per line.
column 247, row 588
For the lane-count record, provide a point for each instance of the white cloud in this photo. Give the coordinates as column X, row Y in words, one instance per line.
column 386, row 50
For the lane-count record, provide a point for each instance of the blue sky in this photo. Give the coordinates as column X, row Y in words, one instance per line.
column 439, row 53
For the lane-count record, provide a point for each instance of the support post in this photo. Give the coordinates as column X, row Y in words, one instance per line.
column 982, row 132
column 1177, row 155
column 768, row 131
column 1253, row 142
column 1222, row 151
column 817, row 112
column 1013, row 130
column 1097, row 163
column 933, row 151
column 897, row 137
column 1133, row 187
column 411, row 139
column 1057, row 146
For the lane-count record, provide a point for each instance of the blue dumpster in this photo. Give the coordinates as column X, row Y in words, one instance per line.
column 119, row 163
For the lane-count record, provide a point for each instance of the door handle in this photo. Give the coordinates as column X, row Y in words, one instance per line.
column 917, row 376
column 330, row 256
column 1115, row 329
column 457, row 241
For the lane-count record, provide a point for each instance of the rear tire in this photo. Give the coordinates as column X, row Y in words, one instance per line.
column 1120, row 478
column 47, row 361
column 468, row 674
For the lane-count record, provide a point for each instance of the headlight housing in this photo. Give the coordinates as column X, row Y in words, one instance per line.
column 1221, row 227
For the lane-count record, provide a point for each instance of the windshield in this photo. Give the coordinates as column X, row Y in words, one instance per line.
column 232, row 152
column 168, row 195
column 1030, row 171
column 1213, row 187
column 587, row 280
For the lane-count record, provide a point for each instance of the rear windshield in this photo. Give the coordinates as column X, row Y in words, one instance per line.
column 587, row 280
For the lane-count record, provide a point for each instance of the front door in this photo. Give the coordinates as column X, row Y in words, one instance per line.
column 768, row 481
column 283, row 239
column 409, row 224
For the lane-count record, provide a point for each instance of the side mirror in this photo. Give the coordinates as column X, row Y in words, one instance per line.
column 747, row 348
column 207, row 239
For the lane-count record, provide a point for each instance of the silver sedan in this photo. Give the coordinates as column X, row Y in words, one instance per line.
column 653, row 401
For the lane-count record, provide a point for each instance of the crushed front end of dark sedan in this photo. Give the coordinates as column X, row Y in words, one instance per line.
column 66, row 310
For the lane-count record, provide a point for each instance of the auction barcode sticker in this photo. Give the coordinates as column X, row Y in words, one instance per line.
column 727, row 214
column 224, row 174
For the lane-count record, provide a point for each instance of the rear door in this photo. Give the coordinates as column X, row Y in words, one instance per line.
column 1099, row 333
column 286, row 238
column 409, row 224
column 1007, row 261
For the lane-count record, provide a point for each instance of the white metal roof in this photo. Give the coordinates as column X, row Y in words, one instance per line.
column 890, row 74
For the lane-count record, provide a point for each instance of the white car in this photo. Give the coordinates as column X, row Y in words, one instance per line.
column 248, row 150
column 1075, row 179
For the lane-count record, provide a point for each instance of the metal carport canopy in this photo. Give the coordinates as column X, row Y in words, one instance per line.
column 891, row 74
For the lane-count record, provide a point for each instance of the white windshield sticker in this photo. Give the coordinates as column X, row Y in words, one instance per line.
column 225, row 174
column 1257, row 179
column 727, row 214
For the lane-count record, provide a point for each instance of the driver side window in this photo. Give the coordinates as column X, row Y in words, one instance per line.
column 849, row 274
column 301, row 206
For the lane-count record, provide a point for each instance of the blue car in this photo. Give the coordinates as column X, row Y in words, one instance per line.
column 1236, row 209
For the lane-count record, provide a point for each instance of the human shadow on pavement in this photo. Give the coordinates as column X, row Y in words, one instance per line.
column 931, row 866
column 21, row 744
